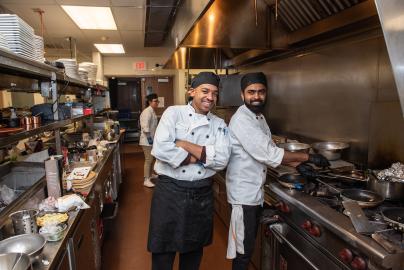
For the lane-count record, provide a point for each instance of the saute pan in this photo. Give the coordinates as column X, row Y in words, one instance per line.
column 365, row 198
column 395, row 217
column 295, row 181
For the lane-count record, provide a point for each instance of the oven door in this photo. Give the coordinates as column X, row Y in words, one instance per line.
column 287, row 249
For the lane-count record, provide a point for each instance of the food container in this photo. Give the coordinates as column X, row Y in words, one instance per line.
column 53, row 233
column 330, row 150
column 295, row 147
column 24, row 221
column 389, row 190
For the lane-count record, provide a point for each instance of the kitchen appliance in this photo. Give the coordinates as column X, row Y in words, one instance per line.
column 314, row 232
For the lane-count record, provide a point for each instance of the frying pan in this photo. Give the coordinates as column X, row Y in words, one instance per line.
column 295, row 181
column 365, row 198
column 395, row 217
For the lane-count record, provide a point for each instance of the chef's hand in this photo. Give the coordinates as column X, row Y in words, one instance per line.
column 306, row 170
column 318, row 160
column 150, row 140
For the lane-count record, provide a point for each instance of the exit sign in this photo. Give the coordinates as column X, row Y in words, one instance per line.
column 140, row 65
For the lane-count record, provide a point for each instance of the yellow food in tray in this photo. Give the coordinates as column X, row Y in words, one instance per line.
column 51, row 218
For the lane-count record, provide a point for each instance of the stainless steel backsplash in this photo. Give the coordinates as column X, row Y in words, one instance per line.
column 344, row 91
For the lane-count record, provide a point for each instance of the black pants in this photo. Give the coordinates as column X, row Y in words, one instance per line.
column 251, row 219
column 188, row 261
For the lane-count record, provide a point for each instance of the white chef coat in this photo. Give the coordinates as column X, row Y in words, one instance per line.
column 183, row 123
column 252, row 151
column 148, row 123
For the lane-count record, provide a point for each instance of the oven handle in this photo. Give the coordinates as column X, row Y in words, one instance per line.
column 280, row 236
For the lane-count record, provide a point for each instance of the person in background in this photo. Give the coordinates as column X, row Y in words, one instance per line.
column 190, row 145
column 148, row 124
column 252, row 151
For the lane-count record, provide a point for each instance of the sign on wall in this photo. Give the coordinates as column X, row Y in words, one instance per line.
column 139, row 65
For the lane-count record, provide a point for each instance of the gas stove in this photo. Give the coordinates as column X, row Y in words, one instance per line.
column 322, row 234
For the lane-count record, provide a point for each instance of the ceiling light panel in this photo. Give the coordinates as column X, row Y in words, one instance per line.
column 110, row 48
column 96, row 18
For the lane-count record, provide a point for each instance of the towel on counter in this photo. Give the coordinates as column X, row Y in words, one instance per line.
column 236, row 232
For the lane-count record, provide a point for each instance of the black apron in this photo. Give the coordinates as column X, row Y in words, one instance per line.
column 181, row 215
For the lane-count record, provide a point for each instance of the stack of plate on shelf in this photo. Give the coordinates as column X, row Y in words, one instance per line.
column 19, row 35
column 83, row 73
column 71, row 68
column 38, row 48
column 3, row 42
column 92, row 71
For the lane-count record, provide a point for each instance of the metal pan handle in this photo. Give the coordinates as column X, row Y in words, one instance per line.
column 282, row 238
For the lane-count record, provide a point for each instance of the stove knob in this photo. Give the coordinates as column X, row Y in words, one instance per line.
column 315, row 231
column 359, row 263
column 345, row 255
column 286, row 208
column 279, row 205
column 306, row 225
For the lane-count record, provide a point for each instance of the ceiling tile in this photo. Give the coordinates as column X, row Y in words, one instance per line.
column 95, row 3
column 95, row 36
column 29, row 2
column 133, row 38
column 128, row 3
column 129, row 18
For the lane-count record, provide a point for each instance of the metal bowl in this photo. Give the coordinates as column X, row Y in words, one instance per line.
column 15, row 261
column 295, row 147
column 331, row 150
column 30, row 244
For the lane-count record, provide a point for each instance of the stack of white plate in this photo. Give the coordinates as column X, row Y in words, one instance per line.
column 83, row 73
column 38, row 48
column 71, row 69
column 92, row 71
column 3, row 42
column 19, row 35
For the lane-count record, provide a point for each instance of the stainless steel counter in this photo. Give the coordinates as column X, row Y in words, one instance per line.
column 53, row 250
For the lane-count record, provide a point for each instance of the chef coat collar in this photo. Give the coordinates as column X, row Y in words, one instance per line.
column 249, row 112
column 192, row 110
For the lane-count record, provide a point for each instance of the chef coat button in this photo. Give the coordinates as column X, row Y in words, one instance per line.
column 183, row 171
column 207, row 136
column 263, row 170
column 192, row 133
column 208, row 119
column 199, row 172
column 256, row 117
column 262, row 117
column 190, row 114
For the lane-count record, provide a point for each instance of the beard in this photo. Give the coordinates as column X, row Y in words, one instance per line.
column 256, row 106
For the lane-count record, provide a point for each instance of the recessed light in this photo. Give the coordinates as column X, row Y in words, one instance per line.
column 86, row 17
column 110, row 48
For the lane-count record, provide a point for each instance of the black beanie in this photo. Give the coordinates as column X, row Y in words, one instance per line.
column 251, row 78
column 205, row 77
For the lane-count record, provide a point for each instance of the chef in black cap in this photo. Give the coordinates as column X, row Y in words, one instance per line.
column 252, row 152
column 190, row 145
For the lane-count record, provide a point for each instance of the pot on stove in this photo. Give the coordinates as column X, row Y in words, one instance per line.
column 389, row 190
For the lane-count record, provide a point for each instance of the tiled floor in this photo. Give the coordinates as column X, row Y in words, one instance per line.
column 125, row 245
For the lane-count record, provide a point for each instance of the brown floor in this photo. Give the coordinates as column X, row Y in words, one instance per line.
column 125, row 246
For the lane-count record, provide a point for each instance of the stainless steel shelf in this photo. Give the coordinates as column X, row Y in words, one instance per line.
column 24, row 66
column 47, row 126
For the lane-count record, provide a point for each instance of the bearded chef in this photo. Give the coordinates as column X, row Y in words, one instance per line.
column 190, row 145
column 252, row 151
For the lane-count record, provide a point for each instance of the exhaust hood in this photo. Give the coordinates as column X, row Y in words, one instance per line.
column 391, row 15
